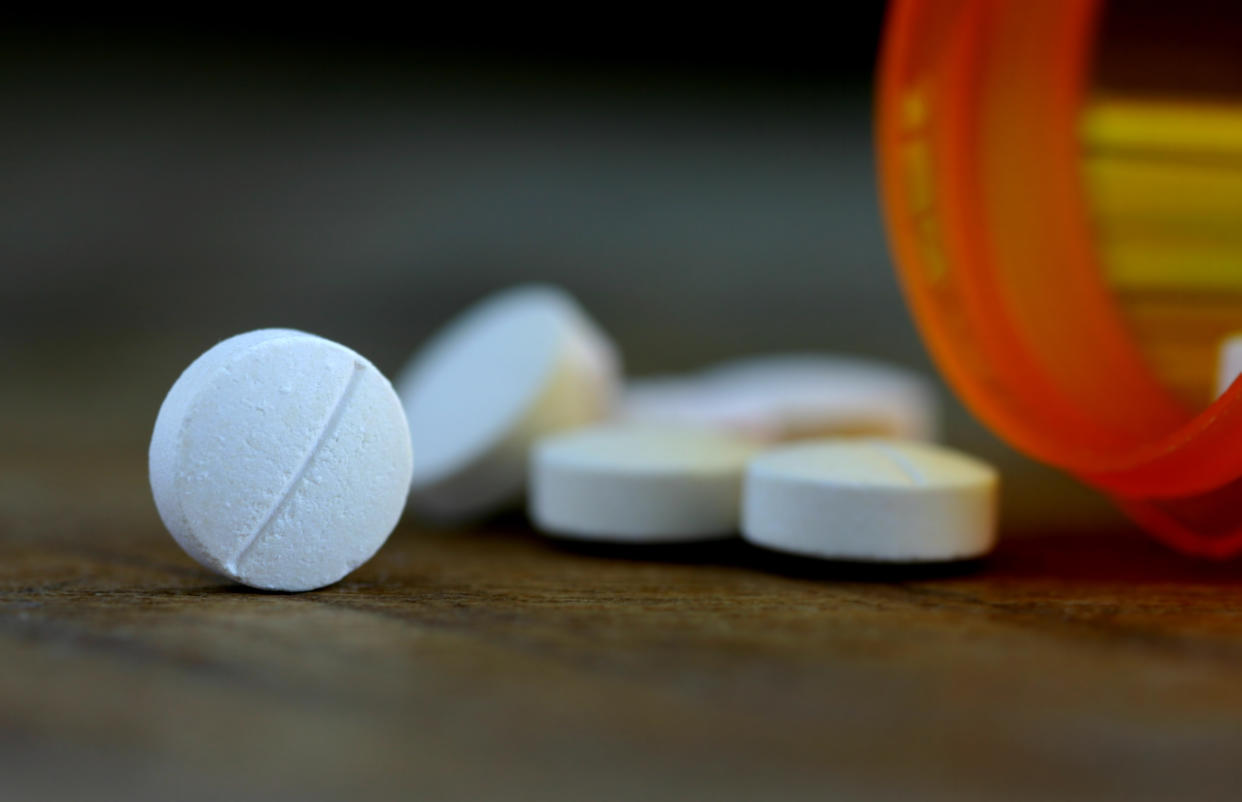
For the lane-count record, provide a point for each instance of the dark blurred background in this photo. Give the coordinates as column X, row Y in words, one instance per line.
column 705, row 190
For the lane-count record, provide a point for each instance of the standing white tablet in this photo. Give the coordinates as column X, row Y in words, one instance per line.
column 280, row 460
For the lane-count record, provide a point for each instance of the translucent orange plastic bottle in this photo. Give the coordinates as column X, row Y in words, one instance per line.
column 1063, row 189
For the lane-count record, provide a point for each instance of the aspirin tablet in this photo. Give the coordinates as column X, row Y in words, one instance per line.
column 280, row 460
column 522, row 364
column 781, row 398
column 816, row 395
column 870, row 499
column 689, row 401
column 638, row 484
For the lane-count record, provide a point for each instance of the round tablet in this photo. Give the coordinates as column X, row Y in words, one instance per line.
column 793, row 397
column 870, row 499
column 815, row 395
column 688, row 401
column 638, row 484
column 280, row 460
column 519, row 365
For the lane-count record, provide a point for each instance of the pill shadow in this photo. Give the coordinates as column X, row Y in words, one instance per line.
column 722, row 551
column 238, row 589
column 731, row 551
column 734, row 552
column 797, row 567
column 1117, row 555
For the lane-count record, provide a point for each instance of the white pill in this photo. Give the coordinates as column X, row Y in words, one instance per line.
column 638, row 484
column 813, row 395
column 792, row 397
column 280, row 460
column 689, row 401
column 517, row 366
column 1229, row 363
column 870, row 499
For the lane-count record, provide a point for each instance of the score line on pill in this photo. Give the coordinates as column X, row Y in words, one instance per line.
column 280, row 459
column 870, row 500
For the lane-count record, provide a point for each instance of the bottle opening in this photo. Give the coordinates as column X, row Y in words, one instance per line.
column 1161, row 135
column 1059, row 181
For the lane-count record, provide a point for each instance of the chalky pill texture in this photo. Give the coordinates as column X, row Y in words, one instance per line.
column 519, row 365
column 280, row 460
column 638, row 484
column 874, row 500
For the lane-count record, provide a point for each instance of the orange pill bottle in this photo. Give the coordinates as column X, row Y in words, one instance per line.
column 1062, row 183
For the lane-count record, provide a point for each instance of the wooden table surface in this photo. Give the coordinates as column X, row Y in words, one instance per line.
column 495, row 664
column 149, row 214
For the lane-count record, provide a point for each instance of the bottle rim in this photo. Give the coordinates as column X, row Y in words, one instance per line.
column 977, row 113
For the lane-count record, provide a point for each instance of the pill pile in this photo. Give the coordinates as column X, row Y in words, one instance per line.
column 283, row 461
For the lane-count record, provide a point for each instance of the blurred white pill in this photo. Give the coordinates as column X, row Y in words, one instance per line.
column 792, row 397
column 688, row 401
column 638, row 484
column 519, row 365
column 1229, row 363
column 280, row 459
column 817, row 395
column 870, row 499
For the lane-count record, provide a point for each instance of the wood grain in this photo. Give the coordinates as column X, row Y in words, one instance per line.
column 495, row 664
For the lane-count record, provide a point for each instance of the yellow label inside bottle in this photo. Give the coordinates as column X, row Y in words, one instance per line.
column 1164, row 180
